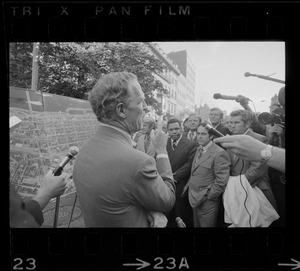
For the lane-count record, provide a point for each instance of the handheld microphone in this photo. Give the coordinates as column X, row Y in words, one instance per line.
column 73, row 151
column 71, row 154
column 213, row 130
column 226, row 97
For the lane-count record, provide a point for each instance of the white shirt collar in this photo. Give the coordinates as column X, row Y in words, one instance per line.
column 177, row 141
column 246, row 131
column 206, row 147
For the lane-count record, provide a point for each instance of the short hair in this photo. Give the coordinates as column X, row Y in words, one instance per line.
column 217, row 109
column 247, row 115
column 203, row 124
column 194, row 115
column 150, row 121
column 173, row 120
column 110, row 90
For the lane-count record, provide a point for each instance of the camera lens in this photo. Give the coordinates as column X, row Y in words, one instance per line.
column 265, row 118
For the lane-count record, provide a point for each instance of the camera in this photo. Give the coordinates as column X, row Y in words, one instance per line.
column 278, row 115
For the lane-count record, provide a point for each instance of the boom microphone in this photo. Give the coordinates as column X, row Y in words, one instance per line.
column 226, row 97
column 71, row 154
column 213, row 130
column 73, row 151
column 247, row 74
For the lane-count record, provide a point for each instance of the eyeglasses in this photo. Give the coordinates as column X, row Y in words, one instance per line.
column 214, row 114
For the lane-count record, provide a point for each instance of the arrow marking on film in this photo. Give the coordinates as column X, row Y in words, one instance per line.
column 296, row 264
column 141, row 264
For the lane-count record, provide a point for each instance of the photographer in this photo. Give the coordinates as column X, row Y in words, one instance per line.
column 276, row 138
column 274, row 124
column 256, row 126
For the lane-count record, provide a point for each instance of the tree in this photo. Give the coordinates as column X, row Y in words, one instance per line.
column 71, row 69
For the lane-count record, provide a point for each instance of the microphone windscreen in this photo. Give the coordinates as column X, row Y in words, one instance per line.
column 247, row 74
column 217, row 96
column 73, row 150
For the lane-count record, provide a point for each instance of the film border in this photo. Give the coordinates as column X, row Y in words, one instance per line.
column 105, row 249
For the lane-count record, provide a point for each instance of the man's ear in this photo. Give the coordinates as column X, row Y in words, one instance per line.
column 120, row 110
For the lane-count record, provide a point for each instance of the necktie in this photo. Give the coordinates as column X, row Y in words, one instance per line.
column 192, row 135
column 200, row 149
column 174, row 144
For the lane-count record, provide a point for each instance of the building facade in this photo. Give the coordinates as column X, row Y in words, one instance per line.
column 188, row 70
column 178, row 79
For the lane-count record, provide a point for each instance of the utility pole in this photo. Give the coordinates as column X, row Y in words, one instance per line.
column 35, row 67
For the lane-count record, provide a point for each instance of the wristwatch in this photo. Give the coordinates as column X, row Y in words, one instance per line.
column 266, row 154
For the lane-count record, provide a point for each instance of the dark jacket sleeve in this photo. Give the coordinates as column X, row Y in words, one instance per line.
column 184, row 171
column 35, row 210
column 19, row 217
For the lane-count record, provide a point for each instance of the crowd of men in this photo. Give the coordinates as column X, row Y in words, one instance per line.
column 136, row 172
column 201, row 168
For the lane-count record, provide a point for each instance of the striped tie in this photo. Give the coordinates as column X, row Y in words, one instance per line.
column 174, row 144
column 200, row 151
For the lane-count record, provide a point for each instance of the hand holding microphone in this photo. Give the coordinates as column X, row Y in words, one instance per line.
column 238, row 98
column 73, row 151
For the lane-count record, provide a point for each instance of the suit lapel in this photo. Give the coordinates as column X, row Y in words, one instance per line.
column 170, row 150
column 202, row 159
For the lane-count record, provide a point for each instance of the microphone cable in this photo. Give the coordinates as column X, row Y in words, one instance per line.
column 246, row 194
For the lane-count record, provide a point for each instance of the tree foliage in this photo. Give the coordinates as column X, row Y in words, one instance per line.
column 72, row 69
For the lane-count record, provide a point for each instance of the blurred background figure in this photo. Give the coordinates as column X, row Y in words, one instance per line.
column 186, row 125
column 147, row 133
column 193, row 123
column 164, row 126
column 216, row 118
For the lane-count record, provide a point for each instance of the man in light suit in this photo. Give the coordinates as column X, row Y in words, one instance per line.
column 193, row 123
column 181, row 152
column 209, row 176
column 144, row 141
column 117, row 185
column 255, row 172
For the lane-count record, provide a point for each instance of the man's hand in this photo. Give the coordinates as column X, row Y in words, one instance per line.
column 52, row 186
column 157, row 219
column 276, row 128
column 159, row 141
column 243, row 101
column 244, row 146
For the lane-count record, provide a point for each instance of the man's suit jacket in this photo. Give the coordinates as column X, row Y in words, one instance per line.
column 209, row 175
column 117, row 185
column 181, row 160
column 255, row 172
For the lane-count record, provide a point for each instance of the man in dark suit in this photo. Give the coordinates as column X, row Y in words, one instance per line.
column 255, row 172
column 193, row 123
column 117, row 185
column 216, row 117
column 209, row 177
column 181, row 153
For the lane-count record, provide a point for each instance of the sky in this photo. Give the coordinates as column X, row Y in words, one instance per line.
column 220, row 68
